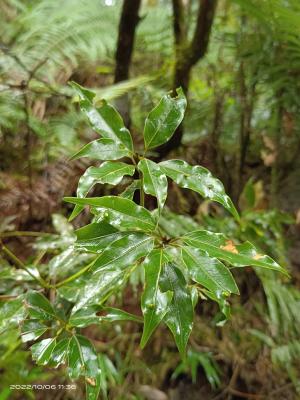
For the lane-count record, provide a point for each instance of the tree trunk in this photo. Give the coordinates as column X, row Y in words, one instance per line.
column 127, row 27
column 188, row 54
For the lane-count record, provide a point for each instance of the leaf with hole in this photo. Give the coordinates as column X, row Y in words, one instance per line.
column 96, row 314
column 164, row 119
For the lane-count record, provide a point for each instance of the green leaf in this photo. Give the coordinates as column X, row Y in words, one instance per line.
column 124, row 251
column 41, row 351
column 130, row 190
column 59, row 353
column 32, row 330
column 94, row 231
column 70, row 291
column 108, row 172
column 111, row 172
column 208, row 271
column 102, row 149
column 11, row 313
column 97, row 286
column 109, row 374
column 154, row 303
column 163, row 120
column 109, row 270
column 93, row 386
column 65, row 263
column 220, row 298
column 200, row 180
column 238, row 255
column 120, row 212
column 114, row 314
column 179, row 317
column 96, row 236
column 154, row 181
column 82, row 359
column 104, row 119
column 96, row 314
column 39, row 307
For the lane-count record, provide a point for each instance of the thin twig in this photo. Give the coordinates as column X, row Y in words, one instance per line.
column 248, row 396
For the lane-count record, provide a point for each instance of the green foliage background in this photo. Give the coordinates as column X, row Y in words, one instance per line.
column 242, row 123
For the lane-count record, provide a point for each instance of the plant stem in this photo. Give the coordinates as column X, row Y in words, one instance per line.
column 142, row 193
column 21, row 265
column 24, row 233
column 74, row 276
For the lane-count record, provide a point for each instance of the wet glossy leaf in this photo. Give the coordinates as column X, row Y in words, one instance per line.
column 108, row 172
column 104, row 119
column 163, row 120
column 96, row 287
column 111, row 172
column 32, row 330
column 130, row 190
column 71, row 290
column 179, row 317
column 115, row 314
column 59, row 353
column 238, row 255
column 82, row 358
column 120, row 212
column 96, row 314
column 102, row 149
column 39, row 307
column 220, row 298
column 94, row 230
column 155, row 181
column 41, row 351
column 154, row 303
column 66, row 262
column 109, row 270
column 11, row 313
column 125, row 250
column 96, row 236
column 208, row 271
column 200, row 180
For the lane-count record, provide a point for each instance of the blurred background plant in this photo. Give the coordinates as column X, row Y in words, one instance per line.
column 242, row 123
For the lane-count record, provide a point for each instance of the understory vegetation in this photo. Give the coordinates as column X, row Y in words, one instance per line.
column 149, row 199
